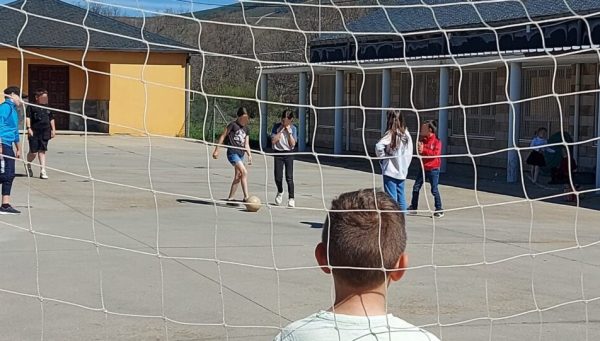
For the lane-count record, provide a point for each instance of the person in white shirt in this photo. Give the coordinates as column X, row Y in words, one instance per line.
column 396, row 150
column 362, row 247
column 283, row 139
column 536, row 158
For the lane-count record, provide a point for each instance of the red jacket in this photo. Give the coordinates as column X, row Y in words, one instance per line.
column 432, row 146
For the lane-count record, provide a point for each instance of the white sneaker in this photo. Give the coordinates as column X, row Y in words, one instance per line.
column 43, row 174
column 278, row 199
column 291, row 203
column 29, row 170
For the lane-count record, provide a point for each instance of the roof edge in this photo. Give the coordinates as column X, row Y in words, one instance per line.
column 15, row 4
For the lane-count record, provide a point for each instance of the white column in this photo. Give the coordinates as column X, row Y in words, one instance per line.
column 598, row 144
column 443, row 114
column 339, row 113
column 386, row 96
column 302, row 111
column 263, row 111
column 347, row 129
column 577, row 110
column 514, row 119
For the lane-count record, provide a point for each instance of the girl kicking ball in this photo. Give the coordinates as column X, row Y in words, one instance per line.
column 236, row 134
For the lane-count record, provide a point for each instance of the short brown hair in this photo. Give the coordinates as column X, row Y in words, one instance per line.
column 39, row 93
column 353, row 237
column 431, row 124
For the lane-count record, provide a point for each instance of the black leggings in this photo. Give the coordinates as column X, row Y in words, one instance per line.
column 286, row 161
column 6, row 178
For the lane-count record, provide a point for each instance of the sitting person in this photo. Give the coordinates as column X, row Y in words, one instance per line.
column 563, row 174
column 364, row 252
column 536, row 158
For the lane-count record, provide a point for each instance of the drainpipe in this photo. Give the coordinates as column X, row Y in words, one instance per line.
column 188, row 88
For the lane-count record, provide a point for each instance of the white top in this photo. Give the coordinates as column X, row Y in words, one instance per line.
column 396, row 162
column 325, row 326
column 283, row 145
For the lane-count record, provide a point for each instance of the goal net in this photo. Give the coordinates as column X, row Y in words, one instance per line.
column 133, row 236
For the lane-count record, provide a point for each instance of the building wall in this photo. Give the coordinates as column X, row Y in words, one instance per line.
column 97, row 98
column 365, row 123
column 98, row 85
column 493, row 127
column 486, row 142
column 321, row 124
column 75, row 56
column 136, row 106
column 3, row 74
column 122, row 91
column 588, row 116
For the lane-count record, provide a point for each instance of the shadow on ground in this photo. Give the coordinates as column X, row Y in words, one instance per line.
column 485, row 179
column 312, row 224
column 219, row 202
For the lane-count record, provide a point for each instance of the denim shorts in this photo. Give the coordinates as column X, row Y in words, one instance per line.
column 234, row 158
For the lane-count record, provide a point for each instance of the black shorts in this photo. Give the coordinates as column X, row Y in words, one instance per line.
column 39, row 141
column 536, row 159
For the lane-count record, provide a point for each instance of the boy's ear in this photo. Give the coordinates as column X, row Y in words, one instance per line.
column 401, row 265
column 321, row 256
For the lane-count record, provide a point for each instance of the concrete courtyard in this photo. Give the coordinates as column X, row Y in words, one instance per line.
column 82, row 261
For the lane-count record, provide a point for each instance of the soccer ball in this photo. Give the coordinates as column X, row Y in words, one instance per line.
column 252, row 204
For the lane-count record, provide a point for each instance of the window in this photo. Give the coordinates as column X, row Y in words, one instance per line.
column 477, row 87
column 325, row 117
column 545, row 112
column 371, row 98
column 425, row 92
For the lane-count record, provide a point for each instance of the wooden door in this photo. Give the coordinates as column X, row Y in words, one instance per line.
column 55, row 79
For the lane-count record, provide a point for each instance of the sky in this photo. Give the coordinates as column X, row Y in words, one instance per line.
column 178, row 6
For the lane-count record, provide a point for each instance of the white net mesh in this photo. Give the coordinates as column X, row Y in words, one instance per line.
column 132, row 237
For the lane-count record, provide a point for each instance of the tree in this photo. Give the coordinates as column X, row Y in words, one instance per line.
column 106, row 10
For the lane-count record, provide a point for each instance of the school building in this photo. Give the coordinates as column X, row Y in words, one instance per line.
column 95, row 66
column 458, row 63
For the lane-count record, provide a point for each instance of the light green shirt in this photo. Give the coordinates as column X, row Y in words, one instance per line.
column 325, row 326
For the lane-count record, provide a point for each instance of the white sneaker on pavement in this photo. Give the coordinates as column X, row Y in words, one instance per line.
column 278, row 199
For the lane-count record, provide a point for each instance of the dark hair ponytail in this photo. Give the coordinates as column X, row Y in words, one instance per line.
column 287, row 113
column 242, row 111
column 396, row 125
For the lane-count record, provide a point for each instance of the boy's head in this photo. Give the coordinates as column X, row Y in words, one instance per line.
column 428, row 128
column 40, row 96
column 363, row 228
column 14, row 94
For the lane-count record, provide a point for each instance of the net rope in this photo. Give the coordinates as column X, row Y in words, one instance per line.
column 359, row 66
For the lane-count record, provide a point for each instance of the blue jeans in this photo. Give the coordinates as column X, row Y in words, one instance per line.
column 6, row 179
column 234, row 158
column 395, row 188
column 433, row 177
